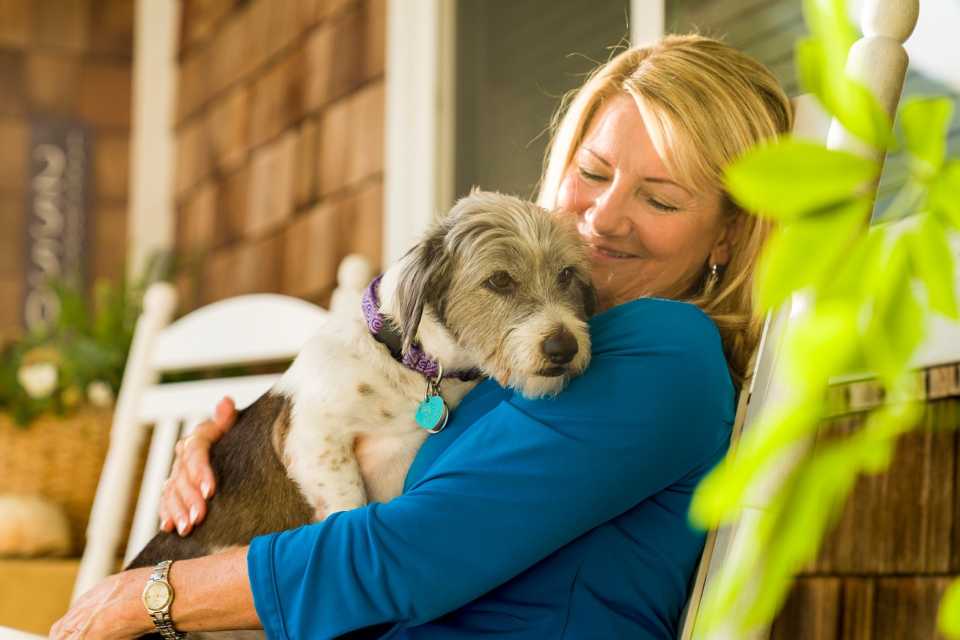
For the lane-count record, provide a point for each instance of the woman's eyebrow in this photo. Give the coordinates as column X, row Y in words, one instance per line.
column 654, row 179
column 667, row 181
column 597, row 156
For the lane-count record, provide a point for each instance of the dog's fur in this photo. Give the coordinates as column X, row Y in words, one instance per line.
column 487, row 287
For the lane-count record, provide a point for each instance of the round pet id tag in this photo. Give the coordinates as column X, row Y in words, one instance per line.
column 432, row 414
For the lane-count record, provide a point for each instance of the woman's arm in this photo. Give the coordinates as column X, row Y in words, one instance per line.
column 210, row 594
column 526, row 479
column 523, row 481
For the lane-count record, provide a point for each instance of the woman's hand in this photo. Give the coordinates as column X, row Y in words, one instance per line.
column 111, row 610
column 191, row 483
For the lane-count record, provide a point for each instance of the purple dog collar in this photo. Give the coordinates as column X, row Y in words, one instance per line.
column 415, row 358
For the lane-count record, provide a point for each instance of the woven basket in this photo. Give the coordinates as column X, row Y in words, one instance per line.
column 59, row 458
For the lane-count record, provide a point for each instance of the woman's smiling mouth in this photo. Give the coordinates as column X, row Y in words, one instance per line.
column 605, row 253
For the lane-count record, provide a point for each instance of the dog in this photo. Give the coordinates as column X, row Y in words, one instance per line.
column 498, row 287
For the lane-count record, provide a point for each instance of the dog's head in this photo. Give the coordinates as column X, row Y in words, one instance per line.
column 511, row 283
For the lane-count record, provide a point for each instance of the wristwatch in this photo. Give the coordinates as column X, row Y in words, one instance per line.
column 157, row 598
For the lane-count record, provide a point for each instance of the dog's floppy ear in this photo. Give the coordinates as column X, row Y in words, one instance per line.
column 423, row 280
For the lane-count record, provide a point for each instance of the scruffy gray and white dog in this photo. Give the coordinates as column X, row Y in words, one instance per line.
column 498, row 285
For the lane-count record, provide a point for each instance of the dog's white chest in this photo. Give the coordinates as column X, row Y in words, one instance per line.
column 352, row 432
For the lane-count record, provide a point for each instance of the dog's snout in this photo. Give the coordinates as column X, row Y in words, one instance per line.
column 560, row 346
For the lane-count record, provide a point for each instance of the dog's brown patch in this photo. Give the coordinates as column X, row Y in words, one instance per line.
column 255, row 496
column 386, row 415
column 364, row 389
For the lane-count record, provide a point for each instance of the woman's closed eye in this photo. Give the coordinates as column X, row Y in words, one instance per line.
column 662, row 206
column 592, row 177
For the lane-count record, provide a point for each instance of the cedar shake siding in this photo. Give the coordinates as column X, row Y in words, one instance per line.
column 279, row 136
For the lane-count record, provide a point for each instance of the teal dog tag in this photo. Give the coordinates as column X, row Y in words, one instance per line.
column 432, row 414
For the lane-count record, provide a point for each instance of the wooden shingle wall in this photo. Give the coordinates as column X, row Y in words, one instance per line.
column 70, row 59
column 279, row 135
column 884, row 567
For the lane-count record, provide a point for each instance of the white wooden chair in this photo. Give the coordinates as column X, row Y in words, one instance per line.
column 879, row 61
column 245, row 330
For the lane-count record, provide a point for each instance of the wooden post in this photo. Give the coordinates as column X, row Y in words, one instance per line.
column 879, row 61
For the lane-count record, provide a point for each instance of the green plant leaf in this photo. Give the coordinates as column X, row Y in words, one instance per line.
column 856, row 272
column 829, row 23
column 720, row 494
column 925, row 123
column 821, row 63
column 932, row 261
column 821, row 344
column 799, row 517
column 864, row 313
column 948, row 617
column 789, row 178
column 898, row 324
column 859, row 112
column 810, row 62
column 804, row 252
column 944, row 195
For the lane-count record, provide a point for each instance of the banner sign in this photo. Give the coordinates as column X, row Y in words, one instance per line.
column 58, row 212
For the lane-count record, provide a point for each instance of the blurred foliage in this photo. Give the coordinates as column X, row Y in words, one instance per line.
column 80, row 357
column 867, row 293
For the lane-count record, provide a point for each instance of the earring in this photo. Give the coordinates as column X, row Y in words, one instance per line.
column 713, row 277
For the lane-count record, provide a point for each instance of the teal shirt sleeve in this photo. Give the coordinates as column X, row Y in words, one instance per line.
column 525, row 479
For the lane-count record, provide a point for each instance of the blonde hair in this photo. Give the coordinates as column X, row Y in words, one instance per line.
column 708, row 103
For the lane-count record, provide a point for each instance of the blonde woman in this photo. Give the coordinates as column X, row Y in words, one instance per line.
column 558, row 518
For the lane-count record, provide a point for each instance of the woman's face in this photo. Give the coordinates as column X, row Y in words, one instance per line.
column 648, row 235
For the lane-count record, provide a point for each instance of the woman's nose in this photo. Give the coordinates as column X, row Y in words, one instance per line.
column 607, row 216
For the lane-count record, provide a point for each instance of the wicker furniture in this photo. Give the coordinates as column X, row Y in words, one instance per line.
column 57, row 457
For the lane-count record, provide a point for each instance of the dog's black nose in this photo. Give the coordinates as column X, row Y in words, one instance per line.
column 560, row 346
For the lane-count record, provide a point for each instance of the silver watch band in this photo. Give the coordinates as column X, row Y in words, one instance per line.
column 164, row 625
column 161, row 619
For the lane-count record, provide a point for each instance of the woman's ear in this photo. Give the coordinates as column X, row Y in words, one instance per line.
column 720, row 252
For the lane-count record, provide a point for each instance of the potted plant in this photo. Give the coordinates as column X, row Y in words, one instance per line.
column 57, row 388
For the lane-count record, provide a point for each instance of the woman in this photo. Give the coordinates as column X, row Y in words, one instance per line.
column 553, row 518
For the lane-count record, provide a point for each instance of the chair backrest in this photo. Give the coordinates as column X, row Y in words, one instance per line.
column 246, row 330
column 878, row 61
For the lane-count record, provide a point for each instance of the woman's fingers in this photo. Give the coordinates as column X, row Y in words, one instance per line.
column 191, row 483
column 195, row 462
column 172, row 509
column 225, row 415
column 194, row 504
column 196, row 448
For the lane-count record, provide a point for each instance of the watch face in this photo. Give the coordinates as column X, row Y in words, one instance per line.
column 156, row 595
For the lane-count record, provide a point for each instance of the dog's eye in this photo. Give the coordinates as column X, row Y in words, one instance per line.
column 500, row 282
column 565, row 276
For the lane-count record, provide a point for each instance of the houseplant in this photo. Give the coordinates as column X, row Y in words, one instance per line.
column 56, row 394
column 868, row 294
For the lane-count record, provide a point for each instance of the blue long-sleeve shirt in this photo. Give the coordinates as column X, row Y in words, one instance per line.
column 563, row 517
